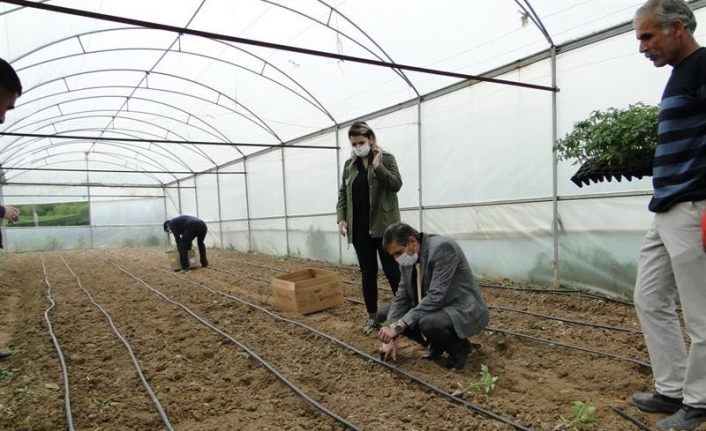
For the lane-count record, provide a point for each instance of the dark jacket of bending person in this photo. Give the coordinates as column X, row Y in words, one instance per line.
column 185, row 228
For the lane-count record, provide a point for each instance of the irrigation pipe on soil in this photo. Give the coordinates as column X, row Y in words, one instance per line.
column 254, row 355
column 515, row 334
column 62, row 362
column 148, row 388
column 629, row 418
column 343, row 344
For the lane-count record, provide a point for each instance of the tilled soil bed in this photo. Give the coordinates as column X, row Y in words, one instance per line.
column 200, row 343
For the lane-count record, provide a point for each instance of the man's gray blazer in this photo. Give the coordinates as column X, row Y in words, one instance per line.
column 447, row 284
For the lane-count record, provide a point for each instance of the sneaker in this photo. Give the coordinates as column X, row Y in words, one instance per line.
column 656, row 402
column 184, row 271
column 370, row 327
column 4, row 355
column 687, row 418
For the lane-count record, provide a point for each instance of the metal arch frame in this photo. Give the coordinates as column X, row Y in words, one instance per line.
column 20, row 7
column 17, row 142
column 122, row 97
column 333, row 9
column 76, row 115
column 109, row 96
column 123, row 132
column 25, row 165
column 262, row 123
column 34, row 151
column 157, row 180
column 318, row 105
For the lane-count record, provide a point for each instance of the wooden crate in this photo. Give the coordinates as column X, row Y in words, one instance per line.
column 307, row 291
column 173, row 256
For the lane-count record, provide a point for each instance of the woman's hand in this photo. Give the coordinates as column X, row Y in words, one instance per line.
column 342, row 227
column 377, row 157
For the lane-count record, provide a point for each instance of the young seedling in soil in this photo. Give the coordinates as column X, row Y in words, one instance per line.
column 486, row 382
column 584, row 417
column 103, row 402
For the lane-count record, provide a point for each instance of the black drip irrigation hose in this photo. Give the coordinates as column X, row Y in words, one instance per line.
column 627, row 417
column 62, row 362
column 516, row 334
column 562, row 319
column 551, row 342
column 559, row 292
column 569, row 346
column 155, row 401
column 254, row 355
column 472, row 406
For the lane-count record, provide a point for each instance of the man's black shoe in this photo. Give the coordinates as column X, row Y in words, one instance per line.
column 687, row 418
column 4, row 355
column 656, row 402
column 435, row 352
column 459, row 355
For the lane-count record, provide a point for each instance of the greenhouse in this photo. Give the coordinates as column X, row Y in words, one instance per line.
column 238, row 112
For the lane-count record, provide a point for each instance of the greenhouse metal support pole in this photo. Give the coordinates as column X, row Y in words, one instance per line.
column 88, row 193
column 284, row 196
column 179, row 194
column 166, row 217
column 196, row 195
column 247, row 203
column 419, row 163
column 220, row 214
column 337, row 153
column 555, row 194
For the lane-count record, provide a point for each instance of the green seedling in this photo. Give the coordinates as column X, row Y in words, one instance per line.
column 486, row 382
column 8, row 374
column 103, row 402
column 584, row 415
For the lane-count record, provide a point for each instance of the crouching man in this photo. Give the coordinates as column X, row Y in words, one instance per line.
column 438, row 303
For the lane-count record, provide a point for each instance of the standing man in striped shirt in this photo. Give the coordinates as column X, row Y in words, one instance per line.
column 672, row 260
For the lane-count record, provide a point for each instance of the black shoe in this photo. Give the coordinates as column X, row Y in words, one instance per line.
column 370, row 327
column 687, row 418
column 458, row 355
column 435, row 352
column 204, row 264
column 4, row 355
column 656, row 402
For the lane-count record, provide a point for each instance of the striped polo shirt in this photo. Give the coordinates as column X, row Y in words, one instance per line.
column 679, row 173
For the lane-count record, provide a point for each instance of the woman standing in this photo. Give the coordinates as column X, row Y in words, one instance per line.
column 367, row 204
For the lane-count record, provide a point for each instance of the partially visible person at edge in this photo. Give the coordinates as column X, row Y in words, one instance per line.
column 185, row 228
column 672, row 261
column 438, row 304
column 10, row 90
column 367, row 204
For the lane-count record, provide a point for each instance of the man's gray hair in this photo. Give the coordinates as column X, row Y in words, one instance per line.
column 399, row 233
column 667, row 12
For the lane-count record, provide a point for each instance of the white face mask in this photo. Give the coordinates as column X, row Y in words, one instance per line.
column 361, row 151
column 406, row 260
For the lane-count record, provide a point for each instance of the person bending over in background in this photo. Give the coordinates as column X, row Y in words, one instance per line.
column 185, row 228
column 438, row 304
column 367, row 204
column 10, row 90
column 672, row 261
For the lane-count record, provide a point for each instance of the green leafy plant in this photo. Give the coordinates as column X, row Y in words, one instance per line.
column 613, row 135
column 486, row 382
column 103, row 402
column 584, row 415
column 8, row 374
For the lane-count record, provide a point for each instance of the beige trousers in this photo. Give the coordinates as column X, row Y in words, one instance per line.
column 673, row 264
